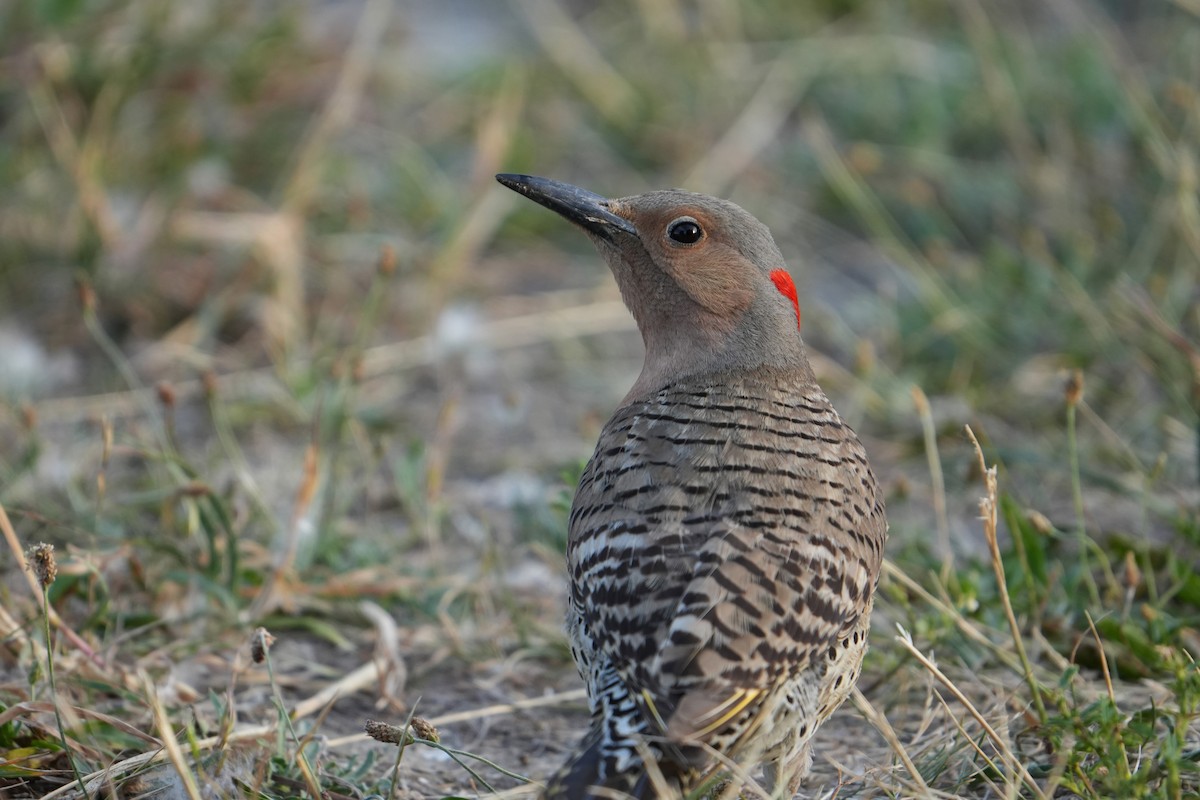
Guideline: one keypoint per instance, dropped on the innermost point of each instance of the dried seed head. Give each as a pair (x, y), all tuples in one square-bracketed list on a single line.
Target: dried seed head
[(29, 416), (260, 644), (1131, 576), (1040, 522), (387, 261), (41, 561), (195, 489), (1073, 392), (383, 732), (865, 357), (55, 60), (423, 730), (395, 734), (166, 394), (87, 295), (106, 439), (1180, 93), (864, 158), (209, 381)]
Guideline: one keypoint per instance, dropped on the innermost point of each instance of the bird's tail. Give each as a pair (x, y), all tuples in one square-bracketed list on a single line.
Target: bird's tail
[(595, 771)]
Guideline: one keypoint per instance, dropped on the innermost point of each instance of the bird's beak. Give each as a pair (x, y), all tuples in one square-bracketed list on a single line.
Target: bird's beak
[(586, 209)]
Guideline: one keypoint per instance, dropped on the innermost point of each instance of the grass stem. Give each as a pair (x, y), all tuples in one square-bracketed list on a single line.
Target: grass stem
[(988, 506), (1077, 494), (54, 699)]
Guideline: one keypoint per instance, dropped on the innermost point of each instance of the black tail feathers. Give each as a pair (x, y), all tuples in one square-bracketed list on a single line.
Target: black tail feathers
[(593, 774)]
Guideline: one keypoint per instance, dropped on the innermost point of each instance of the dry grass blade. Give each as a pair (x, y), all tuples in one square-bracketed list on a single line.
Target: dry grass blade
[(578, 59), (988, 506), (559, 698), (277, 241), (473, 229), (298, 529), (756, 127), (341, 106), (170, 744), (524, 791), (79, 161), (1145, 306), (929, 432), (881, 724), (471, 233), (974, 745), (361, 678), (888, 232), (783, 89), (966, 626), (387, 653), (1139, 99), (20, 709), (554, 323), (1108, 685), (998, 742), (997, 81)]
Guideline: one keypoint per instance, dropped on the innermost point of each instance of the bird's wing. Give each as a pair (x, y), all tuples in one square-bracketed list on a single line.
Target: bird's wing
[(763, 617), (713, 556)]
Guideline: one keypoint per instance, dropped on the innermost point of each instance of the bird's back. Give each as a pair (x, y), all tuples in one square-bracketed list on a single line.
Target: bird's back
[(724, 544)]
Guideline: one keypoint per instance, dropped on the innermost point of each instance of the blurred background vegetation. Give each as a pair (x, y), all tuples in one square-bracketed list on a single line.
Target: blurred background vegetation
[(367, 358), (1000, 193)]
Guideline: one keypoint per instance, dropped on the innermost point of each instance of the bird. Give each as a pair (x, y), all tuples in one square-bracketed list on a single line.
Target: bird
[(726, 537)]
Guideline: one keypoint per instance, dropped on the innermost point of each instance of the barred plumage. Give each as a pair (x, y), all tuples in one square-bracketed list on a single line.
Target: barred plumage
[(727, 535)]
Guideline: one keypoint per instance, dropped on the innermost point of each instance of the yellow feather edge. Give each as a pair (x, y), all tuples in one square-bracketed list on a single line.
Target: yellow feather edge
[(738, 700)]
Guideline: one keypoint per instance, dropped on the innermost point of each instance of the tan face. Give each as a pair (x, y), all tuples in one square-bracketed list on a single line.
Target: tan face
[(692, 247)]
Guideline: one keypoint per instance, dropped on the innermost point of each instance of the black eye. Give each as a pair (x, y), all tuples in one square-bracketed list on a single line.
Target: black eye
[(685, 231)]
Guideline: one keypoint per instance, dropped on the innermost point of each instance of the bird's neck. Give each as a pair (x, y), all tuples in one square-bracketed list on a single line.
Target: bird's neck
[(676, 359)]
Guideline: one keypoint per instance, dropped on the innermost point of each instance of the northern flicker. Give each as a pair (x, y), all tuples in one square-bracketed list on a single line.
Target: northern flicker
[(726, 537)]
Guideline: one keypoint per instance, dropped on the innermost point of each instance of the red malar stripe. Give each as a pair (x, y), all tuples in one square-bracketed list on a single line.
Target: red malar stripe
[(783, 282)]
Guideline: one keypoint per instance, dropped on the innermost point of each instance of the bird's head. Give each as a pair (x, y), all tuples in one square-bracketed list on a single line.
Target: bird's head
[(703, 278)]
